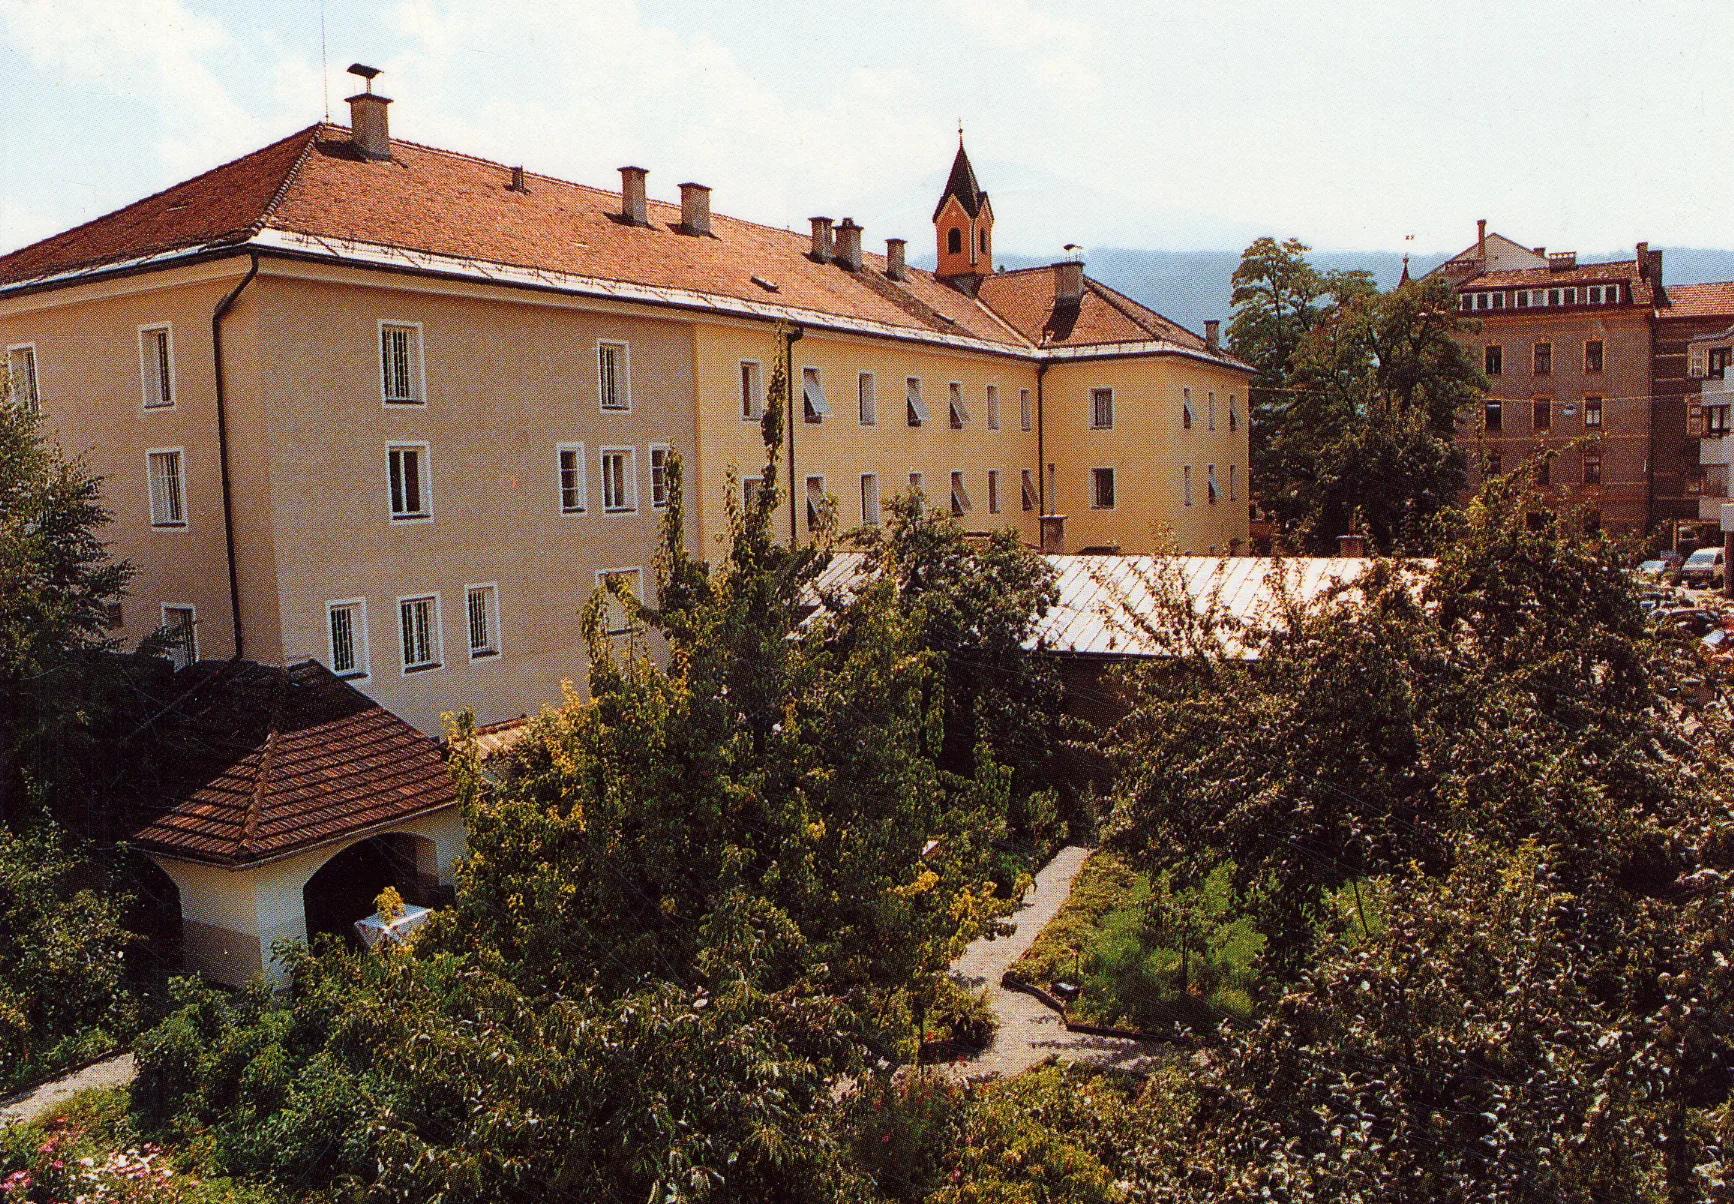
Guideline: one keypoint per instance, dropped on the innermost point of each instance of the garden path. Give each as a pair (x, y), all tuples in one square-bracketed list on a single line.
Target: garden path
[(44, 1098)]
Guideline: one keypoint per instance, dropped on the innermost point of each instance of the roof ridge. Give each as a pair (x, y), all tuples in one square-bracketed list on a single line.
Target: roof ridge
[(289, 178), (256, 801)]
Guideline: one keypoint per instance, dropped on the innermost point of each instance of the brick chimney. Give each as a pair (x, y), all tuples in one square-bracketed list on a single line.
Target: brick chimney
[(1213, 334), (1053, 534), (517, 184), (368, 127), (634, 204), (1351, 545), (1068, 281), (849, 244), (894, 267), (1653, 266), (695, 208), (1562, 261), (1481, 239), (821, 239)]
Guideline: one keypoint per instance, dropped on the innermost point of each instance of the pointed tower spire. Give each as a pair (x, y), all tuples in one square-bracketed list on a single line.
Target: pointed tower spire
[(963, 225), (1405, 279)]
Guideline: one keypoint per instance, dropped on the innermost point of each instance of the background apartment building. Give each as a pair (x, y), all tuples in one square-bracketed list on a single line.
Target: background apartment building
[(400, 410)]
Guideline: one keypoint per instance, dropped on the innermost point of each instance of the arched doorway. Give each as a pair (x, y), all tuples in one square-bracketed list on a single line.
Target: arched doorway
[(344, 888)]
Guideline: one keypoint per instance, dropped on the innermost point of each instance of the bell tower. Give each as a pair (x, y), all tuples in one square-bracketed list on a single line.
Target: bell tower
[(963, 226)]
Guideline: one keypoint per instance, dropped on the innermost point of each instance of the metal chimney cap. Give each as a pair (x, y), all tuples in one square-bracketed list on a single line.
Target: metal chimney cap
[(363, 70)]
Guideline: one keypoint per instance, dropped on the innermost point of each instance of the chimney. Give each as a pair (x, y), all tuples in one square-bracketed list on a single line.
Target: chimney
[(1562, 261), (367, 124), (1068, 281), (695, 208), (1481, 239), (894, 258), (634, 207), (1540, 252), (1213, 334), (517, 184), (1653, 268), (1351, 545), (1053, 534), (821, 238), (1643, 258), (849, 244)]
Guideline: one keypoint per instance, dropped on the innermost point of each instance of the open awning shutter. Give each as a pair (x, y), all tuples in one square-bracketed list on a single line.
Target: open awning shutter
[(814, 394), (959, 495), (916, 409), (959, 411)]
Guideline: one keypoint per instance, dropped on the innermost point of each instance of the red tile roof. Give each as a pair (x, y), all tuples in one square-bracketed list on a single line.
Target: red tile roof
[(271, 761), (314, 185), (1700, 300), (1624, 270)]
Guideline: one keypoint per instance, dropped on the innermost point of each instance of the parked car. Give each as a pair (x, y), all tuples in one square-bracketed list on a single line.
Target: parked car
[(1665, 567), (1703, 569)]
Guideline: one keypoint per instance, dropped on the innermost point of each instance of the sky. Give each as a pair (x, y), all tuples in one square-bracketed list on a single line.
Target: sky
[(1174, 125)]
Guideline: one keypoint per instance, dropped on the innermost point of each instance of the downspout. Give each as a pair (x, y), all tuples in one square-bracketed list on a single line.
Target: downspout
[(1041, 445), (223, 307), (790, 338)]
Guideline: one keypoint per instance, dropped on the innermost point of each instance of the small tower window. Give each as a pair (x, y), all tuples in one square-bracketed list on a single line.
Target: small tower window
[(984, 242), (954, 241)]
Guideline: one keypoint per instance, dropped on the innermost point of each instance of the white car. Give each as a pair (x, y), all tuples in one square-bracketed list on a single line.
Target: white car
[(1703, 569)]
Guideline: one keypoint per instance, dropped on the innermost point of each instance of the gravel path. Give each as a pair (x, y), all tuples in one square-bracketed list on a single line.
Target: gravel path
[(1028, 1030), (111, 1072)]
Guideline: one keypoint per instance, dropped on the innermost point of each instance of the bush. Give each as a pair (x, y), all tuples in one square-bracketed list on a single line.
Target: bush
[(960, 1016), (1103, 884)]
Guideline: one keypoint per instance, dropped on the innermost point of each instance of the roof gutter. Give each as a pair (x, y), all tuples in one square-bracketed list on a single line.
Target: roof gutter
[(222, 309)]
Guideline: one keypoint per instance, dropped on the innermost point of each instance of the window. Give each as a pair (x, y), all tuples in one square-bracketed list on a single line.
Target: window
[(1695, 363), (1719, 362), (954, 241), (1233, 414), (1542, 413), (1210, 410), (613, 381), (618, 613), (156, 367), (1592, 411), (813, 404), (1026, 410), (1102, 488), (916, 492), (869, 499), (1212, 491), (1494, 418), (752, 391), (1543, 359), (912, 401), (1569, 296), (959, 411), (21, 385), (1027, 481), (1595, 294), (482, 612), (1610, 294), (981, 241), (1101, 409), (418, 626), (1186, 414), (180, 625), (658, 475), (1466, 301), (993, 506), (167, 488), (1521, 298), (1592, 355), (346, 625), (1592, 466), (993, 407), (407, 464), (1553, 296), (1493, 359), (1694, 482), (960, 503), (400, 363), (751, 488), (1715, 421), (1186, 485), (866, 399), (1232, 495), (574, 488), (816, 505), (1498, 301), (619, 479)]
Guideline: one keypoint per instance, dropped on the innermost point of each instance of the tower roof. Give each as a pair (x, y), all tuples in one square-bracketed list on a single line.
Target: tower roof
[(961, 184)]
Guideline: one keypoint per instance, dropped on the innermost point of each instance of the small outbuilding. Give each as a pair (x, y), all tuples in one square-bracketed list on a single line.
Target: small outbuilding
[(288, 800)]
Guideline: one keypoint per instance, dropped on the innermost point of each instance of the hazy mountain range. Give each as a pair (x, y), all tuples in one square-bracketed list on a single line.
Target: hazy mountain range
[(1190, 286)]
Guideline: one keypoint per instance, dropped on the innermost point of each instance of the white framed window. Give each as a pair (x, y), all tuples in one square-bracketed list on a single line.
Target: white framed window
[(613, 375), (1102, 488), (407, 482), (156, 361), (418, 629), (1027, 483), (752, 391), (482, 619), (619, 479), (1186, 485), (1212, 492), (1186, 412), (959, 411), (1570, 296), (402, 377), (866, 399), (960, 503), (991, 405), (1101, 409), (1026, 410), (346, 636), (1521, 297), (181, 625), (168, 487), (572, 478), (919, 494), (1553, 296), (658, 475), (618, 617), (815, 502), (22, 387), (751, 488), (993, 506), (912, 403), (1210, 410), (869, 499), (814, 407)]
